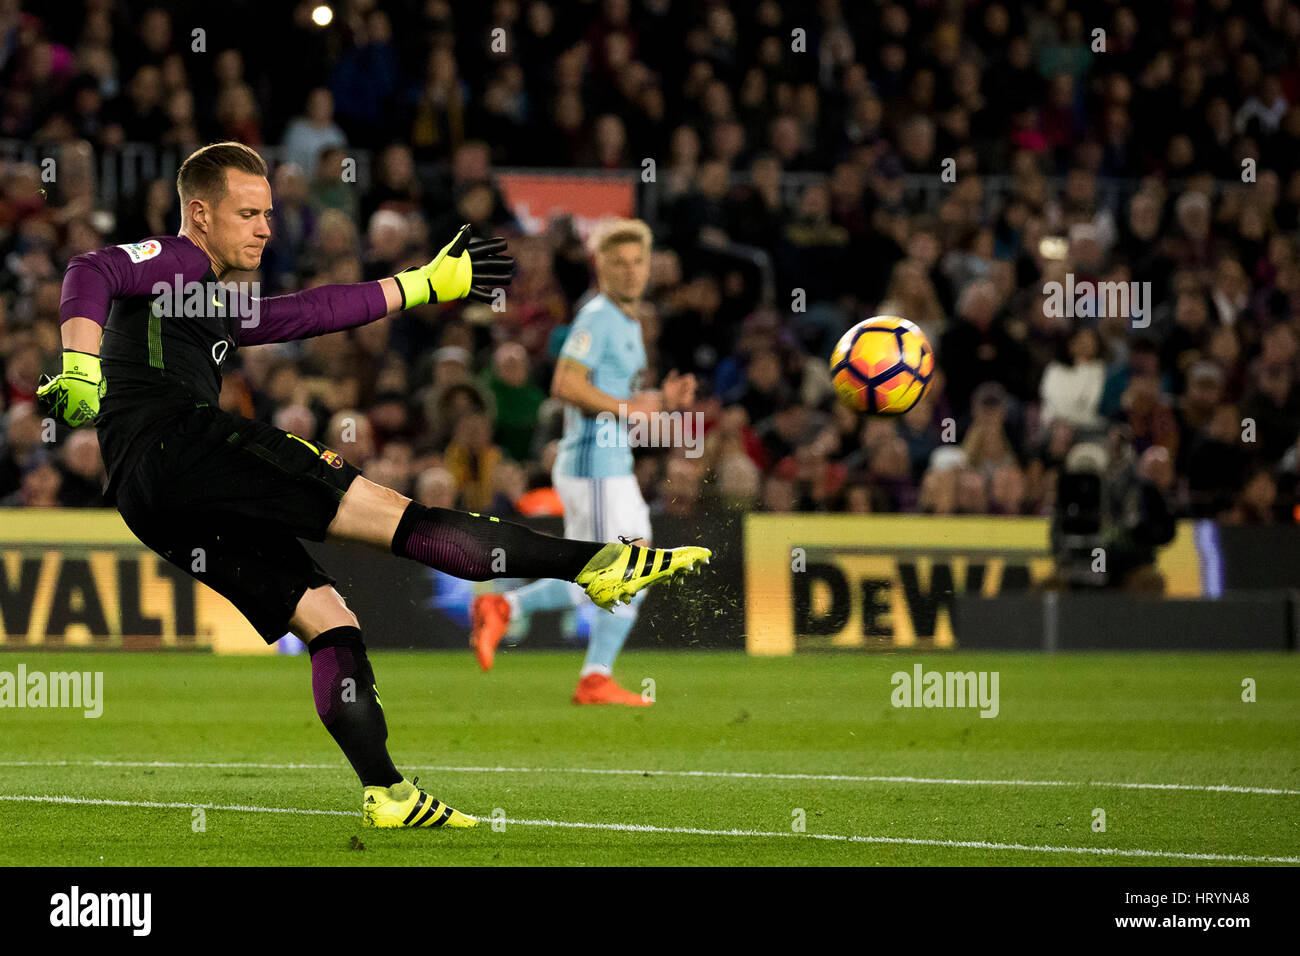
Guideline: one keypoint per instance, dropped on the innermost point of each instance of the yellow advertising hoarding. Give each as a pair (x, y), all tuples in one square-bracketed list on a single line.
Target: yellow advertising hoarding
[(881, 581), (81, 579)]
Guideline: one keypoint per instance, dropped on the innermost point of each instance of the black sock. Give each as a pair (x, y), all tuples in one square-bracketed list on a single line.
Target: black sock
[(480, 548), (343, 684)]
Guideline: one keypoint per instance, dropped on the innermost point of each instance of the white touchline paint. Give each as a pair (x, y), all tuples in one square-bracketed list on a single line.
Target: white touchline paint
[(723, 774), (697, 831), (157, 805), (911, 841), (1216, 788)]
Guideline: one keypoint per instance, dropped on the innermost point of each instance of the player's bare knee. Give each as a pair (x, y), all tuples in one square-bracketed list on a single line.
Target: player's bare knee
[(347, 611), (369, 512), (319, 610), (376, 495)]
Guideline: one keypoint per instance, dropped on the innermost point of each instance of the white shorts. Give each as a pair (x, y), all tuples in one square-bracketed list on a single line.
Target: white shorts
[(601, 509)]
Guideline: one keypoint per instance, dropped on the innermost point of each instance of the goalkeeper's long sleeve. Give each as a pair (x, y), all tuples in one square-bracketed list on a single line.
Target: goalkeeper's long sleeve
[(94, 279)]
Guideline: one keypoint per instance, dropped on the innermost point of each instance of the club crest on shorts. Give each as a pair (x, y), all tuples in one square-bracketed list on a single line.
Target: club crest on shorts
[(332, 458)]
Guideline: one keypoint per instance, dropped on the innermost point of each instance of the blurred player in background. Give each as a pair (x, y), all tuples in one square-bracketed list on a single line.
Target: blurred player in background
[(146, 328), (598, 372)]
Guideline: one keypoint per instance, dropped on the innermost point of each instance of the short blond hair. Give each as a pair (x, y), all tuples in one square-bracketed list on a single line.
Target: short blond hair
[(611, 232)]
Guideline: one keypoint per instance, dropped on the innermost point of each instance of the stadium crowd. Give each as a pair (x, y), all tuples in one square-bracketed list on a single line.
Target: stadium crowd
[(1163, 157)]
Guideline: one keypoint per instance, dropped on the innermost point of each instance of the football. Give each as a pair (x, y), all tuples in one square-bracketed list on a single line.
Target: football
[(882, 366)]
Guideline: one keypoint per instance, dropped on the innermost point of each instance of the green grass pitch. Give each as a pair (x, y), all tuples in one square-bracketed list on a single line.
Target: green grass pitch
[(733, 744)]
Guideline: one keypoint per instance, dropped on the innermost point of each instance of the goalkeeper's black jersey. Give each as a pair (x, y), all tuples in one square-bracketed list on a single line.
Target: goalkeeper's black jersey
[(167, 334), (149, 356), (156, 368)]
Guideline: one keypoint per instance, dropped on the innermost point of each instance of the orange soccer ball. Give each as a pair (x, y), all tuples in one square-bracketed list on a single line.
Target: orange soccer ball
[(882, 366)]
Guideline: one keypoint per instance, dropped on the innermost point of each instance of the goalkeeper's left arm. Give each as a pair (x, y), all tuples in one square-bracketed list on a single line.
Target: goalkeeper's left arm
[(464, 269)]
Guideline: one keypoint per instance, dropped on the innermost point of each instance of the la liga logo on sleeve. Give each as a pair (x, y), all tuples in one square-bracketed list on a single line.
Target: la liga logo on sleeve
[(140, 251), (580, 343)]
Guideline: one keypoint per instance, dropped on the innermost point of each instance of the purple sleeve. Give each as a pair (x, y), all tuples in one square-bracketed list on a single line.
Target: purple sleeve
[(301, 315), (94, 279)]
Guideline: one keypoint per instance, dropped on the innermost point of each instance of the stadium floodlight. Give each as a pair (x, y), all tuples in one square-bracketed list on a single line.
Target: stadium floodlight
[(322, 16)]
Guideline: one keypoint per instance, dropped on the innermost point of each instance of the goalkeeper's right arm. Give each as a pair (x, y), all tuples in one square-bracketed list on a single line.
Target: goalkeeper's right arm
[(73, 395)]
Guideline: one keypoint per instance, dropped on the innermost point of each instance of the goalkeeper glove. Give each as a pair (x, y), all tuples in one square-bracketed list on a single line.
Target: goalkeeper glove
[(464, 269), (73, 395)]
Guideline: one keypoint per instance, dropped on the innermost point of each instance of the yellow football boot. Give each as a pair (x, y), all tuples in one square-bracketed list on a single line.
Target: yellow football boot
[(406, 805), (618, 571)]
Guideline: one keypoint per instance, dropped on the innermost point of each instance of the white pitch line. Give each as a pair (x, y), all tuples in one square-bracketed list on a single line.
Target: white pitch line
[(717, 774), (156, 805), (171, 764), (699, 831), (747, 775), (1217, 788), (912, 841)]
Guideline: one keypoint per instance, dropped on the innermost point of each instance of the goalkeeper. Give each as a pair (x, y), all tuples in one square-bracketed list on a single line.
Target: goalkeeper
[(191, 479)]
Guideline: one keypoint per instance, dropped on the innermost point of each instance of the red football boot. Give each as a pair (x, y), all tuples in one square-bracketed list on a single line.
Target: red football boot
[(491, 617), (601, 689)]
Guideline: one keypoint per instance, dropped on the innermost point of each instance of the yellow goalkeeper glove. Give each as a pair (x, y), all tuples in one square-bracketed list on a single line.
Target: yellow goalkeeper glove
[(73, 395), (465, 269)]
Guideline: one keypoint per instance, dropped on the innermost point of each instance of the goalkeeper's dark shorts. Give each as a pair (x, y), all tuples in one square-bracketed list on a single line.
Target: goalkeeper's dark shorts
[(226, 499)]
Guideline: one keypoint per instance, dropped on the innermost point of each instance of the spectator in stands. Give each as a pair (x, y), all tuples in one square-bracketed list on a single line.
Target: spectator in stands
[(366, 79), (295, 225), (1216, 465), (938, 492), (1071, 390), (387, 242), (39, 484), (238, 117), (1272, 408), (1007, 490), (1255, 505), (679, 492), (1147, 414), (82, 471), (979, 349), (738, 482), (986, 445), (313, 131), (911, 295), (1197, 406), (22, 369), (396, 187), (518, 400), (153, 213), (436, 488), (350, 434), (333, 185), (1143, 361)]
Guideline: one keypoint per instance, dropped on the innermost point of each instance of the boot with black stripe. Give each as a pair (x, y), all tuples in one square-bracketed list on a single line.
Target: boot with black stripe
[(406, 805), (619, 571)]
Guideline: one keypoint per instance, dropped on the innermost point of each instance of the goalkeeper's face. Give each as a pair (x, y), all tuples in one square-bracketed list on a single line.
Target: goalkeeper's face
[(623, 270), (240, 223)]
